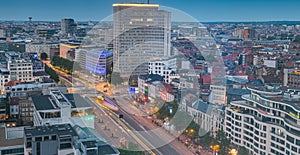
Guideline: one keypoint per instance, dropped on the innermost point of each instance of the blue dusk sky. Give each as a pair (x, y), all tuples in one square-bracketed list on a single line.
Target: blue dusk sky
[(201, 10)]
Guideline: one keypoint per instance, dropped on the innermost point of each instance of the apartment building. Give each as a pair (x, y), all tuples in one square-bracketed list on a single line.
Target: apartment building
[(266, 121), (19, 68), (163, 67), (56, 139)]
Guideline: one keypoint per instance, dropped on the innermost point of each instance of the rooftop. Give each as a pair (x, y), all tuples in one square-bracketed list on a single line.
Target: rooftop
[(77, 101), (9, 142), (42, 102), (237, 91), (267, 89), (47, 102), (290, 96), (40, 73), (60, 129), (151, 77), (91, 139)]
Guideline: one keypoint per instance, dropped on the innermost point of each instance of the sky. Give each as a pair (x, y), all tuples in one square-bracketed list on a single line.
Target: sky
[(200, 10)]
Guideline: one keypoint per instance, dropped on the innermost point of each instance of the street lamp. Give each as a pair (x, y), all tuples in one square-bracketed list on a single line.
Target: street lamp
[(233, 152), (215, 148), (192, 130)]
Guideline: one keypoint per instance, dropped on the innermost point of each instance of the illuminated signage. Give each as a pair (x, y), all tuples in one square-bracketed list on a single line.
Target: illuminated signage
[(89, 118), (261, 111)]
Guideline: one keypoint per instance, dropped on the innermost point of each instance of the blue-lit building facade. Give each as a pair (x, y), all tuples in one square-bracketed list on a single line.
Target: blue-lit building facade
[(99, 62)]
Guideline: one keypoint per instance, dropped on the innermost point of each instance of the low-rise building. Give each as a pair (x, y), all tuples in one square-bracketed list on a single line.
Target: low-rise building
[(19, 68), (59, 108), (291, 78), (218, 94), (67, 50), (210, 117), (5, 78), (163, 67), (144, 82), (11, 141), (89, 142), (50, 49), (56, 139), (3, 108), (62, 139)]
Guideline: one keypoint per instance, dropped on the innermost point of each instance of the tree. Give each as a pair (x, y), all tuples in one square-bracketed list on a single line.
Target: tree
[(164, 111), (181, 120), (44, 56), (221, 137), (115, 78), (132, 146), (65, 64), (242, 151), (127, 152), (52, 73)]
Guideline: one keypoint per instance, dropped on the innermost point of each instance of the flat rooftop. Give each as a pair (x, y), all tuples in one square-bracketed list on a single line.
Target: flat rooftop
[(42, 102), (60, 129), (46, 102), (9, 142), (77, 101)]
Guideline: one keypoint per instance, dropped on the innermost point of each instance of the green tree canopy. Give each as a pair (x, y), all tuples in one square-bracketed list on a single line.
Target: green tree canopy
[(65, 64), (52, 73), (44, 56), (115, 78)]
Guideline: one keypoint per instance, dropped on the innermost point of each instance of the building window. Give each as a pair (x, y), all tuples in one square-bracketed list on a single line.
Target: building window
[(294, 149), (290, 139), (38, 148)]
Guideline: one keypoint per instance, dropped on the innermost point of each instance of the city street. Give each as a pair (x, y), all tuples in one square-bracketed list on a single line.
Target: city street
[(135, 126)]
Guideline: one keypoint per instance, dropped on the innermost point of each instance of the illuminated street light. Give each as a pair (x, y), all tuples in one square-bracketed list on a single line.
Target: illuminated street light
[(215, 148), (233, 152), (192, 130)]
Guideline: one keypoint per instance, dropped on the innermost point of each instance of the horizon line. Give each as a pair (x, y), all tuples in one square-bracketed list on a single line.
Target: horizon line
[(216, 21)]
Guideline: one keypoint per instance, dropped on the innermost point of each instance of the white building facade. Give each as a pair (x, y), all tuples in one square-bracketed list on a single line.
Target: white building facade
[(266, 122), (163, 67)]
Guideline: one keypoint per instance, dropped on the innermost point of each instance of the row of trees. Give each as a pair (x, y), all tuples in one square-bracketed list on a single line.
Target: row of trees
[(65, 64), (52, 73), (164, 110)]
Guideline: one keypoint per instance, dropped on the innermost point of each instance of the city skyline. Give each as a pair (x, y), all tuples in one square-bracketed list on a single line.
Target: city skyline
[(104, 77), (202, 11)]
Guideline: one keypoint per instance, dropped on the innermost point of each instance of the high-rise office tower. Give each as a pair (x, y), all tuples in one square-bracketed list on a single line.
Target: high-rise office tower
[(67, 26), (141, 32)]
